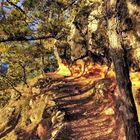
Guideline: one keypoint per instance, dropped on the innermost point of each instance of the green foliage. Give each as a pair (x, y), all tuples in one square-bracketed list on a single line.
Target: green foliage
[(25, 62), (32, 19), (37, 18)]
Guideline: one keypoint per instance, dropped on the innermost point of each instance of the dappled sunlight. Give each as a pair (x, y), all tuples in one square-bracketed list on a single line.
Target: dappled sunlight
[(88, 93), (135, 79), (89, 72), (84, 69)]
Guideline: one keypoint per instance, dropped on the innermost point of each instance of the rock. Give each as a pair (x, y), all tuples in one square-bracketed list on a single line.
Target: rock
[(76, 41), (43, 129)]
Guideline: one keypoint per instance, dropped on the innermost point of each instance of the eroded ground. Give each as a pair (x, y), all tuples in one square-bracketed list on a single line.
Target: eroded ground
[(63, 107)]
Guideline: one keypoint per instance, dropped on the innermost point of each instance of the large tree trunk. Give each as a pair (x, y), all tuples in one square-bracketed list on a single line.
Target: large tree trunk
[(127, 107)]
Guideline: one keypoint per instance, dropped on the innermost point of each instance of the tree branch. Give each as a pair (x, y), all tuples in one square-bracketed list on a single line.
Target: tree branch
[(24, 38), (17, 7), (10, 83)]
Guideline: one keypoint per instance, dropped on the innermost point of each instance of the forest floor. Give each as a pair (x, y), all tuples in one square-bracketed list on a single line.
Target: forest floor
[(64, 107)]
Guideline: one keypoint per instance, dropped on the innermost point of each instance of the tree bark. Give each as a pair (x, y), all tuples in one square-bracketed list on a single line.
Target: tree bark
[(127, 107)]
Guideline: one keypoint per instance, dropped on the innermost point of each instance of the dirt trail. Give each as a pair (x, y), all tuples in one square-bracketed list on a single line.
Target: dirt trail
[(90, 107)]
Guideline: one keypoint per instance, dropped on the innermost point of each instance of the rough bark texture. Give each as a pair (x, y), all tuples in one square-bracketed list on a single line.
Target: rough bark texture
[(127, 107)]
